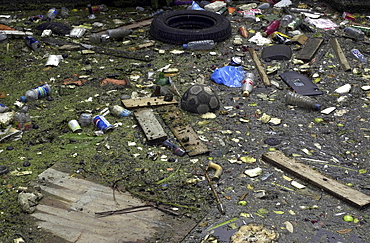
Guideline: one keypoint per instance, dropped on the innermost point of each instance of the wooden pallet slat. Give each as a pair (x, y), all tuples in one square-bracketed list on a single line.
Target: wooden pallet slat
[(309, 49), (306, 173), (147, 102), (184, 133), (151, 126)]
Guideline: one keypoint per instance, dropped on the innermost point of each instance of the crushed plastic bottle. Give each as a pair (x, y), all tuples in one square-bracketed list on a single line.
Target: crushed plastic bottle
[(22, 119), (36, 93), (292, 98), (359, 55), (200, 45)]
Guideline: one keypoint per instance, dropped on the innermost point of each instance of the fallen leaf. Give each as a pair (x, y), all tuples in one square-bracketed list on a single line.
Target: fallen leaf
[(289, 226), (248, 159), (344, 231)]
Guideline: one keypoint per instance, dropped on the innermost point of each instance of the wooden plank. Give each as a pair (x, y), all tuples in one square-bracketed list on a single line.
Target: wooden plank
[(69, 206), (259, 66), (150, 125), (306, 173), (309, 49), (147, 102), (340, 55), (184, 133)]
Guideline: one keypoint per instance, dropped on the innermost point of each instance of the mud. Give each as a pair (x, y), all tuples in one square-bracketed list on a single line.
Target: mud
[(337, 146)]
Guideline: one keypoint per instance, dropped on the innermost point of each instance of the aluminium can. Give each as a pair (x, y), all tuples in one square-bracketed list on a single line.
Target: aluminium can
[(85, 119), (74, 126), (102, 123)]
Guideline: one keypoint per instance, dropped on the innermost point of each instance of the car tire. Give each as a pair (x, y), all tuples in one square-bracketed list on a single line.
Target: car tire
[(183, 26)]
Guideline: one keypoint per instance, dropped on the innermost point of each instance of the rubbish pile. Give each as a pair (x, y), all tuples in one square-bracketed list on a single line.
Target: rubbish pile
[(238, 87)]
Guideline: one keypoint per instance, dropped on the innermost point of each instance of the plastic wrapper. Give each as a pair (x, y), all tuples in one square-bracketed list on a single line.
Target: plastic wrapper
[(229, 75)]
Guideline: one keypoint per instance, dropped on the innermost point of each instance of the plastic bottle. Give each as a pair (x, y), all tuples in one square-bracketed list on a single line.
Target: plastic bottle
[(175, 149), (22, 119), (51, 14), (64, 12), (292, 98), (118, 33), (36, 93), (286, 20), (119, 111), (3, 108), (355, 33), (264, 6), (200, 45), (294, 24), (3, 37), (247, 84), (359, 55), (32, 43), (271, 28)]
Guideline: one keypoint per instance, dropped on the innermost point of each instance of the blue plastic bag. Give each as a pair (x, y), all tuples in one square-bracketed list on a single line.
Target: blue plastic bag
[(231, 76)]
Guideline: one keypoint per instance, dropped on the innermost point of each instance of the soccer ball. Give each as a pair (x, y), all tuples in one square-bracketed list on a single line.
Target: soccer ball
[(200, 99)]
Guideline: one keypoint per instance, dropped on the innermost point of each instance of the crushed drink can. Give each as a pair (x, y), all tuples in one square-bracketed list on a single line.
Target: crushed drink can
[(235, 61), (32, 43), (102, 124)]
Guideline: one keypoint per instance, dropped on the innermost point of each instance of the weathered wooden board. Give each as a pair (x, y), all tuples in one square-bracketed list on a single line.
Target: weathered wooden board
[(184, 133), (340, 55), (259, 67), (69, 206), (150, 125), (309, 49), (305, 172), (147, 102)]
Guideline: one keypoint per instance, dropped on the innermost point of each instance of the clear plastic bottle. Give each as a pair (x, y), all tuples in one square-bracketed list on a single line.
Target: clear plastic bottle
[(294, 24), (200, 45), (22, 119), (292, 98), (247, 84), (118, 33), (286, 20), (359, 55), (36, 93), (354, 33)]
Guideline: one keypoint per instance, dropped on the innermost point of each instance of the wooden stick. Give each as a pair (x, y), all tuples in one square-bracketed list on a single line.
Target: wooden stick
[(219, 204), (340, 55), (260, 69)]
